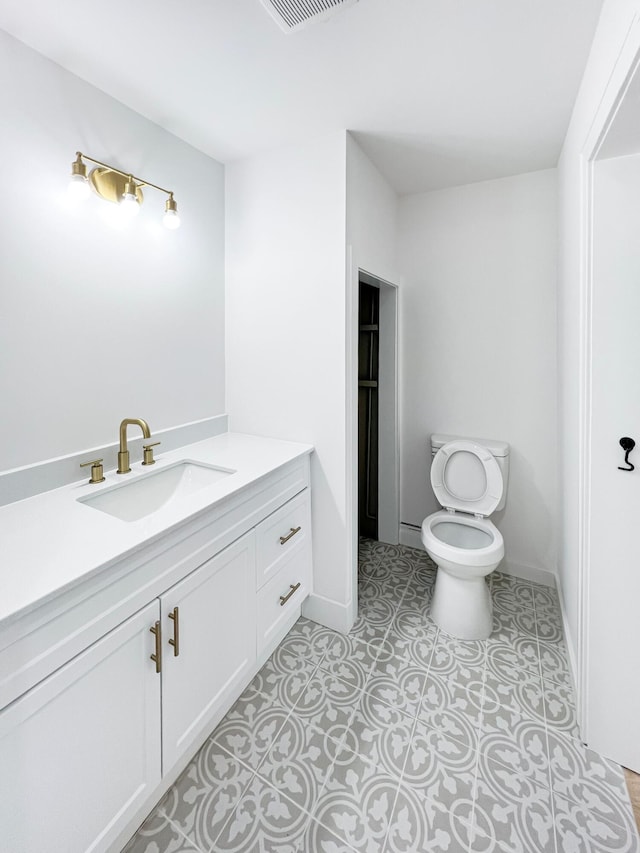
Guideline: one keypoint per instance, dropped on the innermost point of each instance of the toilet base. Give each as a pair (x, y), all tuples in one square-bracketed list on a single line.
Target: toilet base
[(462, 607)]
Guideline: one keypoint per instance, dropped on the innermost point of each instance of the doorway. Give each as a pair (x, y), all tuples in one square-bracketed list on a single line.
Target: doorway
[(377, 429), (368, 423)]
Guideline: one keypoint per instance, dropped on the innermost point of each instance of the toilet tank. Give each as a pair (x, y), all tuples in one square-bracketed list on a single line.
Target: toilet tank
[(498, 449)]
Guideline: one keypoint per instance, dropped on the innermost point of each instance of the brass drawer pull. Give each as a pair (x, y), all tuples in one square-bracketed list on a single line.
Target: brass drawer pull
[(157, 658), (294, 530), (292, 589), (175, 642)]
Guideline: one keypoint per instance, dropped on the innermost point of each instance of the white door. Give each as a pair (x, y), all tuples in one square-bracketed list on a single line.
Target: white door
[(81, 750), (611, 723), (209, 642)]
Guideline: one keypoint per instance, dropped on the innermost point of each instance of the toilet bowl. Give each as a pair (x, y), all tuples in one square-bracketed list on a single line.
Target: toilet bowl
[(466, 550), (461, 540)]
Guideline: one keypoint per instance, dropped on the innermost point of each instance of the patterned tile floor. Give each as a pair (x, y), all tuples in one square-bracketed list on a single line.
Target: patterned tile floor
[(398, 738)]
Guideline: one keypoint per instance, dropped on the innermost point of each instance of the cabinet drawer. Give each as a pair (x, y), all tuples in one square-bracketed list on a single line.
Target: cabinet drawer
[(275, 616), (286, 531)]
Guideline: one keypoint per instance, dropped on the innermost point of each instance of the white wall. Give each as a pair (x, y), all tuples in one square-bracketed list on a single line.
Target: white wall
[(372, 211), (286, 307), (614, 47), (98, 324), (478, 345)]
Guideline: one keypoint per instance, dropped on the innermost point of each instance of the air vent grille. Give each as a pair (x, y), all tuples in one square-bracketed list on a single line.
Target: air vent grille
[(294, 14)]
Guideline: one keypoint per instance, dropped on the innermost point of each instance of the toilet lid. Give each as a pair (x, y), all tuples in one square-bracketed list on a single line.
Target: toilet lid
[(466, 477)]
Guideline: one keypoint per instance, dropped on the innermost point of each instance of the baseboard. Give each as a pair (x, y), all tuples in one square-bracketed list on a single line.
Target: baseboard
[(339, 617), (568, 641), (29, 480), (410, 536), (528, 573)]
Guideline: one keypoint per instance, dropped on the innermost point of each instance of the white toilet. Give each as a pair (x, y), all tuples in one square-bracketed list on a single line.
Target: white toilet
[(469, 479)]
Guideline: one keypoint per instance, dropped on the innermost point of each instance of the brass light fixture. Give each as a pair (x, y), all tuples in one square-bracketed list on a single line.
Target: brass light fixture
[(116, 186)]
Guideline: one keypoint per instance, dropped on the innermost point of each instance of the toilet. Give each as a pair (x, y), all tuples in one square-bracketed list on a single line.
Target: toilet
[(469, 479)]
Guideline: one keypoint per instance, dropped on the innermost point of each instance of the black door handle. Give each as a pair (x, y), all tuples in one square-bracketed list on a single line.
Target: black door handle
[(627, 444)]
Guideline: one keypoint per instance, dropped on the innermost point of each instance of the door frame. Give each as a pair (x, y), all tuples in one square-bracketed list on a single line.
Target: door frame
[(626, 67), (388, 462), (389, 454)]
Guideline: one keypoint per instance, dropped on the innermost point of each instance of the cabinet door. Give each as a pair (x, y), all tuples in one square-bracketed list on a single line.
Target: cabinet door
[(213, 612), (81, 750)]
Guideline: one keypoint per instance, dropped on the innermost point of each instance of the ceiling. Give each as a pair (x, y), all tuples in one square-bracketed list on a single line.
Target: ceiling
[(437, 92), (623, 134)]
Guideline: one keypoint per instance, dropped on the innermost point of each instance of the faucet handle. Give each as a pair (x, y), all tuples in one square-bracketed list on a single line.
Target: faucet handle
[(97, 471), (148, 453)]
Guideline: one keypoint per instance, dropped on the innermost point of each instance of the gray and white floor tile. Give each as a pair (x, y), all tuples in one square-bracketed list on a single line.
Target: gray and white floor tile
[(511, 812), (264, 821), (454, 708), (298, 762), (158, 834), (328, 703), (350, 660), (250, 727), (400, 739), (380, 733), (205, 795), (357, 803), (420, 824)]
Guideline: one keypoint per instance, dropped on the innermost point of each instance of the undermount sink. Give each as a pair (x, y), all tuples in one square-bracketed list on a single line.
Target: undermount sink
[(145, 494)]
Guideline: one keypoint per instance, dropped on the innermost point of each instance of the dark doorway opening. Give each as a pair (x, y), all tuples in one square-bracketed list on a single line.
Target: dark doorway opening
[(368, 368)]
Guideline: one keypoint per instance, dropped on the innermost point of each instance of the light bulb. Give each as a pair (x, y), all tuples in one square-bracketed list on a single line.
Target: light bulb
[(171, 219), (129, 203), (78, 188)]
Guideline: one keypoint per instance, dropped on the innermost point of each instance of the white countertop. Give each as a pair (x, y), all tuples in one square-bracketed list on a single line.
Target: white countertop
[(51, 541)]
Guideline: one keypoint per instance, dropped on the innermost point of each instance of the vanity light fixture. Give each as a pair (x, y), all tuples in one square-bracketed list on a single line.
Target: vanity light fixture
[(114, 185)]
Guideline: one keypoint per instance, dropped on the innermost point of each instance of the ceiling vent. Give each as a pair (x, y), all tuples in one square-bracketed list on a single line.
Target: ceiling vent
[(293, 15)]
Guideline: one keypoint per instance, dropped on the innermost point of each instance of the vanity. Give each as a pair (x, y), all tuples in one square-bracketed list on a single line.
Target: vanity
[(126, 637)]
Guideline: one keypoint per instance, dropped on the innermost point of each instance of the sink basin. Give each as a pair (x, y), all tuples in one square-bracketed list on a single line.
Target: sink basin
[(143, 495)]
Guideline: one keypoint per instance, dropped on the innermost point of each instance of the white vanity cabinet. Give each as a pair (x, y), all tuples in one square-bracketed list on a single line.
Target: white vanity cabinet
[(110, 689), (82, 749)]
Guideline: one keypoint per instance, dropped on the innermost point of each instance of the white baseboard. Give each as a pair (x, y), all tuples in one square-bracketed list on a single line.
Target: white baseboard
[(568, 639), (528, 573), (339, 617), (410, 536)]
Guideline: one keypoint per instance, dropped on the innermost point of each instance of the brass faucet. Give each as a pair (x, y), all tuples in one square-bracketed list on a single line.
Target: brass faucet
[(123, 453)]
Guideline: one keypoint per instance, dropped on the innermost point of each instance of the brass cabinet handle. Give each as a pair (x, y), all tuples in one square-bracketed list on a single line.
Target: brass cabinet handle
[(175, 642), (294, 530), (292, 589), (157, 657)]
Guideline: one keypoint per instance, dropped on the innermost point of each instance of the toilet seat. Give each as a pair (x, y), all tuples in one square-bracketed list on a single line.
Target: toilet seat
[(483, 490), (460, 554)]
